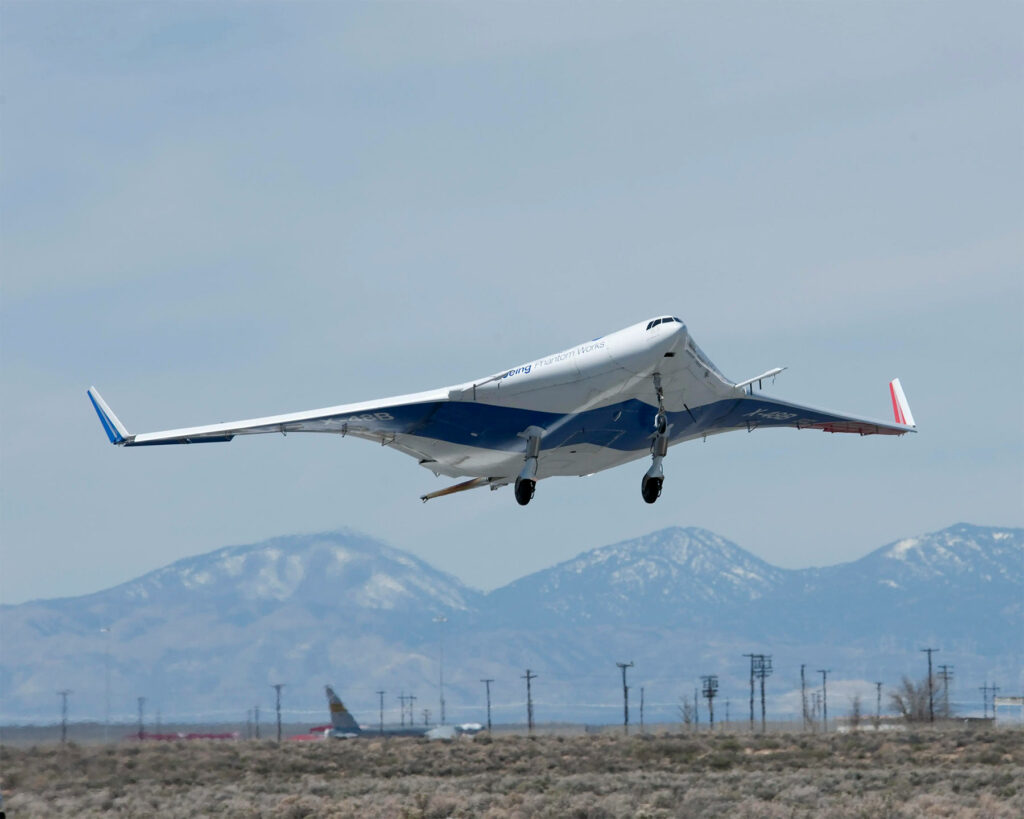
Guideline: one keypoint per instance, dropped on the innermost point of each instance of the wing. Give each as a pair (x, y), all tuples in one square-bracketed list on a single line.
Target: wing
[(758, 411), (381, 420)]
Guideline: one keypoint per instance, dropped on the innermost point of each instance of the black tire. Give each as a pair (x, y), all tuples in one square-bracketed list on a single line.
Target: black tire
[(524, 491), (651, 489)]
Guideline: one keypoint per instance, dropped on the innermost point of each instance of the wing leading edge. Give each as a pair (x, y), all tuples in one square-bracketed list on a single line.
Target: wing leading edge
[(375, 420), (757, 411)]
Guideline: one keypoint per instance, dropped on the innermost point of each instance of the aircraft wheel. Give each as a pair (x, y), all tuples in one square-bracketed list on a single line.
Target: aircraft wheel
[(651, 489), (524, 490)]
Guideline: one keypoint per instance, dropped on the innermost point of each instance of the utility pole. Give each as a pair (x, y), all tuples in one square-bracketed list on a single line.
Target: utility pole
[(803, 694), (105, 631), (641, 709), (696, 711), (878, 705), (381, 694), (441, 620), (763, 670), (248, 723), (487, 683), (751, 656), (256, 720), (931, 685), (528, 676), (277, 690), (727, 713), (710, 683), (426, 716), (401, 699), (142, 703), (824, 698), (985, 690), (412, 705), (64, 694), (945, 674), (625, 696)]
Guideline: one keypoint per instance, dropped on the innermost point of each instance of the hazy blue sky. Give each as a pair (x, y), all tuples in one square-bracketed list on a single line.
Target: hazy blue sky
[(215, 211)]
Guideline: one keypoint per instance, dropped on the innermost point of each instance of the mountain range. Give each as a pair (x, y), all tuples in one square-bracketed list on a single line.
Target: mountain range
[(205, 637)]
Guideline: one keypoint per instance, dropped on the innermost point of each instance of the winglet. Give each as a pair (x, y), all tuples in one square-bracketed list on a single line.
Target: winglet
[(115, 430), (900, 407)]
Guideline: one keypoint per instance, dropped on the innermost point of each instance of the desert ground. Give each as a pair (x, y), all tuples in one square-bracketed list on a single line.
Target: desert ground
[(949, 772)]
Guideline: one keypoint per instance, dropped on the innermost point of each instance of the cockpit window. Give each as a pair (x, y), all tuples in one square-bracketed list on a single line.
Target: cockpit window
[(656, 322)]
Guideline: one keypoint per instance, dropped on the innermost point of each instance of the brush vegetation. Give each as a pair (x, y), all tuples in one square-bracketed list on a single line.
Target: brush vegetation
[(913, 773)]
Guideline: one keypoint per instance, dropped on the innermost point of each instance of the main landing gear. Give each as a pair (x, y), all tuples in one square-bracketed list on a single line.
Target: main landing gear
[(524, 490), (650, 486), (526, 483)]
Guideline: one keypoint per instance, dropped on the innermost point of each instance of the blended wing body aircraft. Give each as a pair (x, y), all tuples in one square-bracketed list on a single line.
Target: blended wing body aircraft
[(618, 398)]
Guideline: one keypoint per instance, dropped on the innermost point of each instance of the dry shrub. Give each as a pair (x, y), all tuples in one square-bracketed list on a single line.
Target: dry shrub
[(952, 772)]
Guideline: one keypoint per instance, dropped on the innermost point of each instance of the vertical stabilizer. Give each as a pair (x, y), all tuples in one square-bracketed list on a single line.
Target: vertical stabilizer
[(341, 719)]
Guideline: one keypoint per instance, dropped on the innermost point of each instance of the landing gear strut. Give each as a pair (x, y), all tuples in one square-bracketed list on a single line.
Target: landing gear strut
[(650, 486), (526, 483)]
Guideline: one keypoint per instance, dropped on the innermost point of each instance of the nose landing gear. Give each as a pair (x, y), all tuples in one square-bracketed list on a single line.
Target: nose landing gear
[(650, 486)]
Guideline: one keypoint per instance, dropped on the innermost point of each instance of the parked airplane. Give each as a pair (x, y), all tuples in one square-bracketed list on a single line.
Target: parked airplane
[(595, 406), (344, 726)]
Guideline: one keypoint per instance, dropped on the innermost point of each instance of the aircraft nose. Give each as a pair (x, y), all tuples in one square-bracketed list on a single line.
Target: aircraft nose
[(672, 336)]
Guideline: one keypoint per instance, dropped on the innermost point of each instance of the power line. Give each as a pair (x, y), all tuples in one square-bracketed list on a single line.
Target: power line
[(381, 695), (803, 694), (751, 656), (824, 697), (487, 683), (412, 705), (142, 705), (763, 670), (277, 690), (64, 694), (945, 674), (625, 696), (441, 620), (256, 715), (106, 687), (710, 689), (402, 698), (529, 676), (985, 690), (878, 704), (931, 684)]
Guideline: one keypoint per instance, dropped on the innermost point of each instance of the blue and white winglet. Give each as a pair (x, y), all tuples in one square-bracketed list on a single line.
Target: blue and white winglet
[(115, 430)]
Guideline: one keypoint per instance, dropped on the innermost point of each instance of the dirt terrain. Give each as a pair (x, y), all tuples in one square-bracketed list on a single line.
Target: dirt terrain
[(914, 773)]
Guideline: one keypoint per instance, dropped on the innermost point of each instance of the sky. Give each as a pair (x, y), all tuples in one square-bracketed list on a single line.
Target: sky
[(218, 211)]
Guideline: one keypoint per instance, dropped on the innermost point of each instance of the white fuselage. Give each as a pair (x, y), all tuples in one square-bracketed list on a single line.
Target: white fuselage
[(608, 372)]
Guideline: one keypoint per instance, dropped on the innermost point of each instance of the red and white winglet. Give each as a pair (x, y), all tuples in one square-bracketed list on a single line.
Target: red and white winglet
[(900, 407)]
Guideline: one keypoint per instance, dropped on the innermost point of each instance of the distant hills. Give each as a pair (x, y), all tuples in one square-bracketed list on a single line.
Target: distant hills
[(204, 638)]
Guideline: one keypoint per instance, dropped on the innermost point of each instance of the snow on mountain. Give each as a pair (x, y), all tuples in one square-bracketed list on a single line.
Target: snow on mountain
[(207, 629), (344, 571), (987, 554), (963, 585), (667, 577), (207, 634)]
